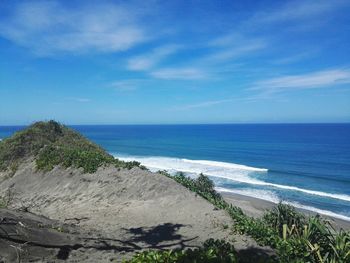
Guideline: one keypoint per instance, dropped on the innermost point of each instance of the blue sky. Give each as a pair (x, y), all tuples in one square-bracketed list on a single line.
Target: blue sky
[(150, 62)]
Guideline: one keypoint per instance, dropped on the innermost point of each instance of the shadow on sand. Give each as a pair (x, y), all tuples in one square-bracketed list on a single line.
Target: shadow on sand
[(41, 240), (159, 237)]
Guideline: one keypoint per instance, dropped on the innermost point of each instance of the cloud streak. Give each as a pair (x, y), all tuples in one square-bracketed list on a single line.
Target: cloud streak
[(297, 11), (236, 51), (79, 99), (234, 45), (182, 73), (313, 80), (49, 27), (128, 84), (297, 57), (150, 60), (203, 104)]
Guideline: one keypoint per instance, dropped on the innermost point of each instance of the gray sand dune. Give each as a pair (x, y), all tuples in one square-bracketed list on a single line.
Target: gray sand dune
[(127, 210)]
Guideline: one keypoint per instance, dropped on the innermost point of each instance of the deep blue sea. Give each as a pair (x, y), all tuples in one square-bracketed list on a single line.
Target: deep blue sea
[(306, 165)]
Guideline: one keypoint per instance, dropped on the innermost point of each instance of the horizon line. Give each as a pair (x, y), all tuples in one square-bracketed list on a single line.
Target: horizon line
[(174, 124)]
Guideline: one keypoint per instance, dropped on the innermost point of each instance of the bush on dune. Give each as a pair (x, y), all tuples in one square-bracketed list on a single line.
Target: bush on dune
[(213, 251), (51, 144)]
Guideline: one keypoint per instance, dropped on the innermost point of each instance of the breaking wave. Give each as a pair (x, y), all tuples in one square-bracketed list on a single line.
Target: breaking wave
[(231, 171), (271, 197)]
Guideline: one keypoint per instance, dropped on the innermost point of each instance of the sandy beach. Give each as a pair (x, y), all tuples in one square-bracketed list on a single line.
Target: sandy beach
[(256, 207)]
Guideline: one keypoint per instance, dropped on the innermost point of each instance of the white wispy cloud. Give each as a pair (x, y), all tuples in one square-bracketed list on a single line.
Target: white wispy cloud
[(237, 51), (127, 85), (148, 61), (210, 103), (231, 39), (79, 99), (47, 27), (203, 104), (240, 44), (233, 45), (298, 10), (182, 73), (296, 57), (203, 66), (319, 79), (82, 99), (151, 64)]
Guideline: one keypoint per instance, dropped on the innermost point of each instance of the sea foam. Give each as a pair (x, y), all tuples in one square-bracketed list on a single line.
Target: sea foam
[(231, 171), (271, 197), (258, 194)]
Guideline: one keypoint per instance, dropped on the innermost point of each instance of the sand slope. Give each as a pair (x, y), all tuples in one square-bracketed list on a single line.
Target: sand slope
[(128, 210)]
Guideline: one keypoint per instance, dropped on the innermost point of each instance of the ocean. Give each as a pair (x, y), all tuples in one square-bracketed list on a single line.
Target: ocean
[(305, 165)]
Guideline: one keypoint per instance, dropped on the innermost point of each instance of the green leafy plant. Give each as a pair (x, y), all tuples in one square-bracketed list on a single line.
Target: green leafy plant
[(212, 251), (284, 217)]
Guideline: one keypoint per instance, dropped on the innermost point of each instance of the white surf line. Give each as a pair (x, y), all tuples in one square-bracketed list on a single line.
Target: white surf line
[(225, 165), (150, 161), (295, 204), (259, 194), (286, 187), (155, 163), (292, 188)]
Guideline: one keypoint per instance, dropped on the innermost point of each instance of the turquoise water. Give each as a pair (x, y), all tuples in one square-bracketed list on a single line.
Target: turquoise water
[(307, 165)]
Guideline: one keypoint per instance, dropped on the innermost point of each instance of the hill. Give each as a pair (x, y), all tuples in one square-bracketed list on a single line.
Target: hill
[(51, 144)]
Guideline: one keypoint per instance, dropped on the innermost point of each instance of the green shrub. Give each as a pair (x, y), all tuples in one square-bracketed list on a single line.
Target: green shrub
[(284, 215), (51, 144), (213, 251), (340, 244), (90, 161), (324, 243)]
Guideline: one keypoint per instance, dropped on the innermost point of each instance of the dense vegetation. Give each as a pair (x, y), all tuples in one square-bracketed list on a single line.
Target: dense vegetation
[(213, 251), (51, 144), (295, 238)]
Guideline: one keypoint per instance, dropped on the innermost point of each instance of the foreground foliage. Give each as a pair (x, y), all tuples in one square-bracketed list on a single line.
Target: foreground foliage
[(213, 251), (295, 237), (51, 144)]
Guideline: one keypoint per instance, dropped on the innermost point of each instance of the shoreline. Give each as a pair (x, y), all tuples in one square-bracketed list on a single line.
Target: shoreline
[(256, 207), (213, 168)]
